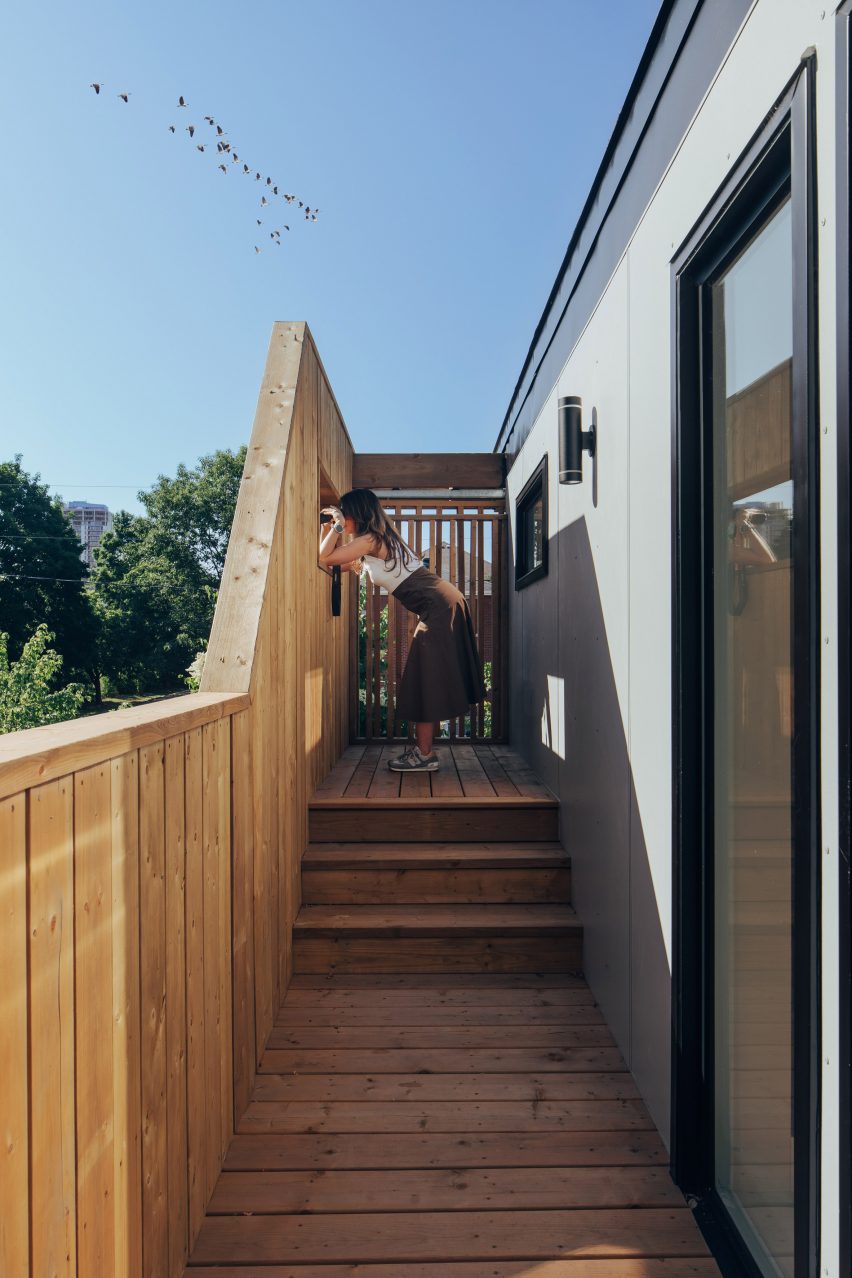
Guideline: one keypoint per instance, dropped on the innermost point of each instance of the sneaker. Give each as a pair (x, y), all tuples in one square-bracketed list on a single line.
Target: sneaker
[(411, 760)]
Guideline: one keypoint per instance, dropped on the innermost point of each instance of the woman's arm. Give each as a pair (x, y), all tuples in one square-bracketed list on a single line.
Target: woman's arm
[(332, 552)]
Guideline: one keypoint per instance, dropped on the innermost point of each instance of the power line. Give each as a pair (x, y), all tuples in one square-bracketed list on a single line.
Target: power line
[(18, 576)]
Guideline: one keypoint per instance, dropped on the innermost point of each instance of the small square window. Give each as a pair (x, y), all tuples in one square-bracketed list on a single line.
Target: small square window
[(531, 528)]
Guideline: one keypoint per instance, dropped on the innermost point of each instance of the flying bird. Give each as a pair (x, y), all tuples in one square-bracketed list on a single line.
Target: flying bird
[(219, 130), (257, 250), (199, 146), (182, 101), (171, 128), (269, 181), (190, 128), (209, 119), (224, 168), (96, 87), (124, 96), (264, 201)]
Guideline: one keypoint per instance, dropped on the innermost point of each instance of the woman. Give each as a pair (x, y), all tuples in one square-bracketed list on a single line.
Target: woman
[(443, 673)]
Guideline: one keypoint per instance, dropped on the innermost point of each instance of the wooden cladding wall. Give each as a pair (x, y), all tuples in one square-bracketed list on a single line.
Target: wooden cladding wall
[(149, 877), (464, 542), (116, 1095), (274, 636)]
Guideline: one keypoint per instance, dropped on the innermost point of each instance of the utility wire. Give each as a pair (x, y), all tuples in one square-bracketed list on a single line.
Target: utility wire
[(17, 576)]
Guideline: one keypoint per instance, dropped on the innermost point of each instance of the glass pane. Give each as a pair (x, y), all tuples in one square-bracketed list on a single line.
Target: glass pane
[(753, 728), (533, 517)]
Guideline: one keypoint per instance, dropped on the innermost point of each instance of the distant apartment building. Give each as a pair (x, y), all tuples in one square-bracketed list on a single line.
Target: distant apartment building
[(90, 520)]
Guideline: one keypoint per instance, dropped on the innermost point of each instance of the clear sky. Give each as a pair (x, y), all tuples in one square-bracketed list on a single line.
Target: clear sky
[(448, 144)]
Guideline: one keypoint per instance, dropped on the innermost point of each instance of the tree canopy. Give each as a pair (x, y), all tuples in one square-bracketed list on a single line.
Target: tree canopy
[(157, 575), (42, 577)]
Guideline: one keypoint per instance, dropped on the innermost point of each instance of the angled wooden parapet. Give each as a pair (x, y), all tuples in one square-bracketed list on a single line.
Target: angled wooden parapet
[(149, 865), (274, 637)]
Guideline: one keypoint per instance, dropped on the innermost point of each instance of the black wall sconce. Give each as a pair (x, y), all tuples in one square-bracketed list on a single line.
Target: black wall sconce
[(573, 440)]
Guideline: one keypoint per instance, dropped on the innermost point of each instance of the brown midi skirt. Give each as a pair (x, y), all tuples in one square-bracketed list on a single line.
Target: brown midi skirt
[(443, 673)]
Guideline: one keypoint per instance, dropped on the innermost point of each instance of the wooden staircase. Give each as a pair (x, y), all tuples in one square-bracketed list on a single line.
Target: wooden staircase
[(440, 1096)]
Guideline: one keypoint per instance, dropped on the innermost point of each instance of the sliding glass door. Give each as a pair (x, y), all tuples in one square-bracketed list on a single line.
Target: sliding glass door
[(751, 598), (746, 705)]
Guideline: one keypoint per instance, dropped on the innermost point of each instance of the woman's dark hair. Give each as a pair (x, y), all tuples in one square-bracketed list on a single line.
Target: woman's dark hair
[(363, 507)]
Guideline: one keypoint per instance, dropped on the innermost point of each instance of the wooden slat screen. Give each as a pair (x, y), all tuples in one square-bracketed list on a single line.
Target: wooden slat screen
[(464, 542)]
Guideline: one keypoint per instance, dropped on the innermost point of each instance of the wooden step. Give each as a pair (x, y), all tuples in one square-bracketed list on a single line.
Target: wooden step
[(435, 873), (437, 938), (405, 820)]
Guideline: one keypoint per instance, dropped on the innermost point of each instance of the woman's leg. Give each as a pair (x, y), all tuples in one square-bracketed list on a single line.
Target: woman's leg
[(424, 733)]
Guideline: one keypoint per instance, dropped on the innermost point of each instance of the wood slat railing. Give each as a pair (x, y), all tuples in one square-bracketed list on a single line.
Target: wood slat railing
[(464, 541), (149, 878)]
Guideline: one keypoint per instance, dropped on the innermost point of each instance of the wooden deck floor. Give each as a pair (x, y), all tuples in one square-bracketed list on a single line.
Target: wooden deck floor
[(446, 1127), (475, 772)]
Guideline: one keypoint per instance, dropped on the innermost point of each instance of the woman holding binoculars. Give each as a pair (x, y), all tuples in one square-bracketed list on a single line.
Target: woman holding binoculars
[(443, 672)]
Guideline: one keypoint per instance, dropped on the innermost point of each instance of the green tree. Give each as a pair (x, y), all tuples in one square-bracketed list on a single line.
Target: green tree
[(42, 577), (27, 697), (157, 575)]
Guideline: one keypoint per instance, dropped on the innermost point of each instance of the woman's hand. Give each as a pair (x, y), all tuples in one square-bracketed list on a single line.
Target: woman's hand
[(335, 512)]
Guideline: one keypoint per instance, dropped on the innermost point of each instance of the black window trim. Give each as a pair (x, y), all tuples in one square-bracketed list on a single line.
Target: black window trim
[(780, 154), (843, 105), (538, 479)]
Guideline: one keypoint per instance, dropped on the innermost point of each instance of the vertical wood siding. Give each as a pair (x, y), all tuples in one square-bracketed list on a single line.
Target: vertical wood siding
[(149, 881)]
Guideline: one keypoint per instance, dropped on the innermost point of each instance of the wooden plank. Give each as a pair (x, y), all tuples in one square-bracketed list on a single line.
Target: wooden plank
[(410, 1236), (473, 776), (37, 755), (519, 771), (525, 1060), (524, 1267), (435, 885), (93, 990), (404, 1037), (14, 1037), (316, 1000), (446, 783), (176, 1094), (460, 1014), (462, 984), (126, 1041), (196, 1068), (359, 783), (243, 906), (52, 1074), (443, 1087), (152, 904), (356, 1151), (235, 632), (341, 774), (401, 820), (439, 920), (444, 856), (473, 1189), (428, 470), (222, 732), (407, 1117), (390, 953), (385, 783), (212, 834), (502, 784)]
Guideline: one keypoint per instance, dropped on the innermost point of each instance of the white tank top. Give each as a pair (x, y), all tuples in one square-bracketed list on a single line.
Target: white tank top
[(390, 578)]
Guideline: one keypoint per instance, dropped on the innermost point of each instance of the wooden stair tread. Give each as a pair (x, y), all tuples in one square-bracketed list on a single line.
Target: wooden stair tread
[(368, 803), (419, 856), (438, 920)]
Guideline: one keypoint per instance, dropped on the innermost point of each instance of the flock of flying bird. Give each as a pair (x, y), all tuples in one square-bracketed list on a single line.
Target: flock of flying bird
[(225, 152)]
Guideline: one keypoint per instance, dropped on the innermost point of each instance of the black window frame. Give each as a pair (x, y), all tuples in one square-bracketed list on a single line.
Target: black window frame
[(529, 494), (843, 105), (780, 160)]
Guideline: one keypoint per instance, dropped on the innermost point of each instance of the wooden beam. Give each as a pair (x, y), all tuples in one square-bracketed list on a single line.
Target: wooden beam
[(428, 470)]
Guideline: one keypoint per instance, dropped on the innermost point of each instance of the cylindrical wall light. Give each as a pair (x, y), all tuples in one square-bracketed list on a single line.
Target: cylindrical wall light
[(573, 440)]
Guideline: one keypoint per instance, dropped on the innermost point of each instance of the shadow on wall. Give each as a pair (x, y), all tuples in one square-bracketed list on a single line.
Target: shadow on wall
[(568, 721)]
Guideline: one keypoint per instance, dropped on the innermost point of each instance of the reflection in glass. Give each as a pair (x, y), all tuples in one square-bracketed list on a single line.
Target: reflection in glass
[(753, 728)]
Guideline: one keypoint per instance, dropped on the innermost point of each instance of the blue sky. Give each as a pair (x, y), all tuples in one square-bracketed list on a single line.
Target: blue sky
[(448, 145)]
